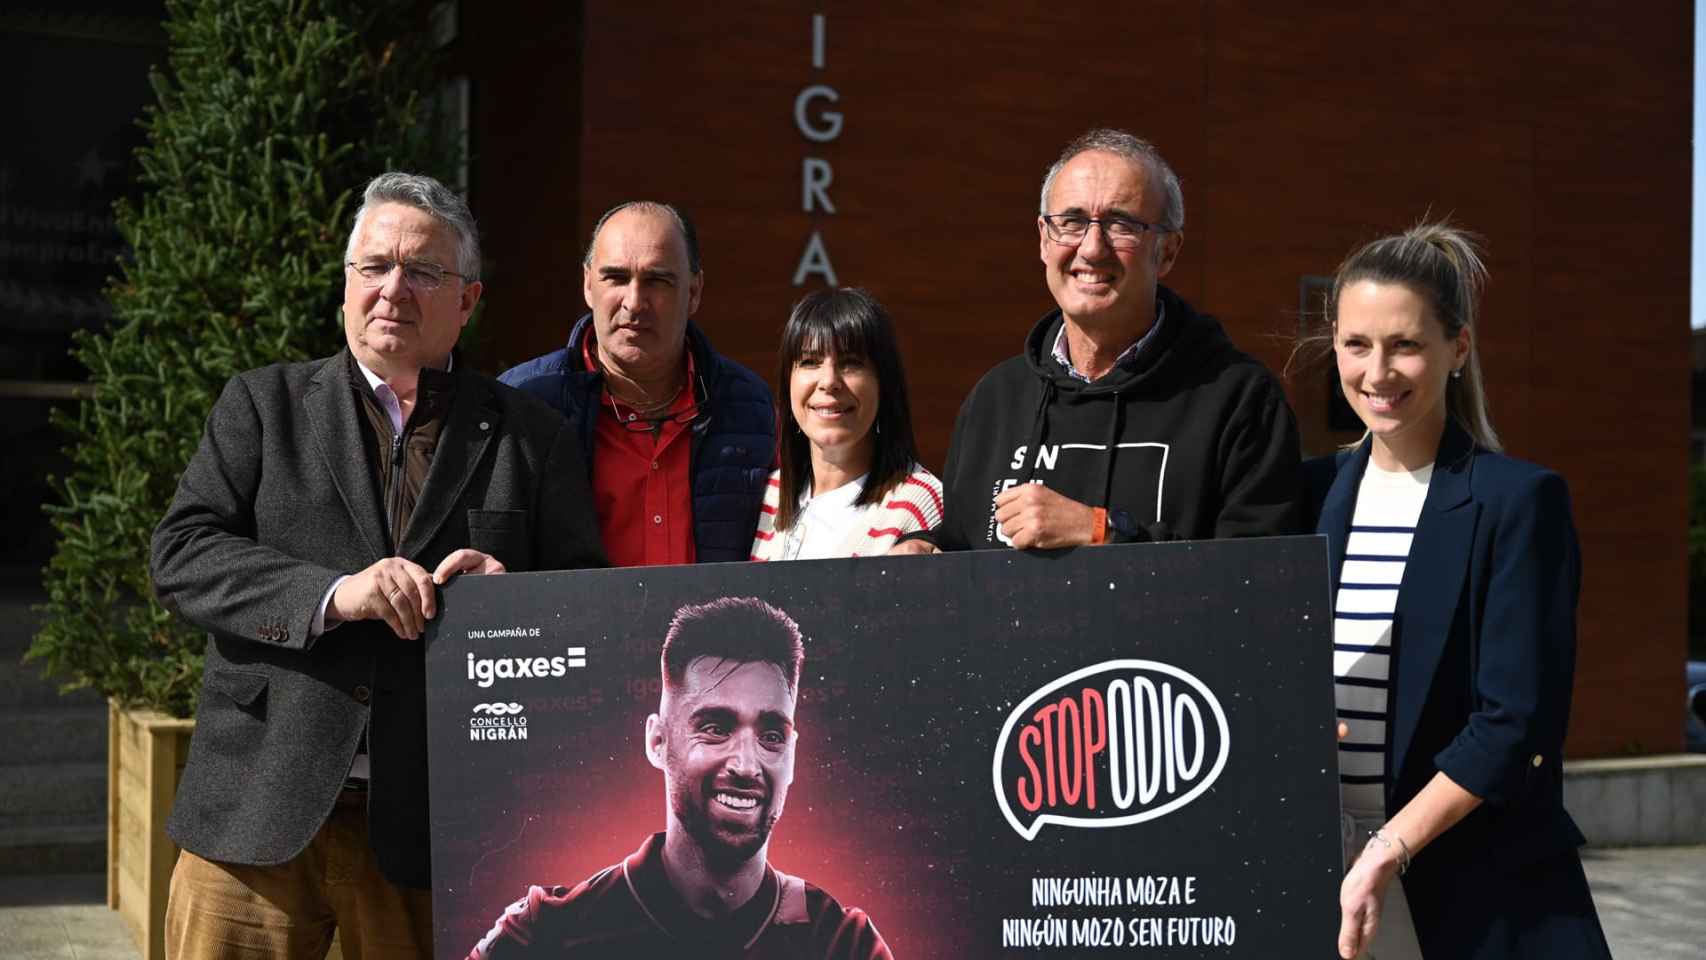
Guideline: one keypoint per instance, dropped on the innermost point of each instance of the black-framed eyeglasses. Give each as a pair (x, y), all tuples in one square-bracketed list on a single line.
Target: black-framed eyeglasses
[(422, 276), (1124, 233)]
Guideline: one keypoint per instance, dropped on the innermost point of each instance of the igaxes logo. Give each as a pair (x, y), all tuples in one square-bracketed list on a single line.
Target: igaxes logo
[(1110, 745), (488, 671)]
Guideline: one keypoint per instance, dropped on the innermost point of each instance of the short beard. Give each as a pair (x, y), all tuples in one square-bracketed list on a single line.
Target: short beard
[(721, 854)]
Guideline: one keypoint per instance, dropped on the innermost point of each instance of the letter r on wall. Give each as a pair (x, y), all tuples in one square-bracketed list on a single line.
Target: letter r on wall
[(815, 177)]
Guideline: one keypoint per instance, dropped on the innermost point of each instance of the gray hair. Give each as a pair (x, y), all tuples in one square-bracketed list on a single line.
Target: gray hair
[(1441, 264), (689, 235), (432, 198), (1132, 148)]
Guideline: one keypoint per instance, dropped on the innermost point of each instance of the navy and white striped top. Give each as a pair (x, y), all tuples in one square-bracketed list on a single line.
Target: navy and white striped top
[(1388, 507)]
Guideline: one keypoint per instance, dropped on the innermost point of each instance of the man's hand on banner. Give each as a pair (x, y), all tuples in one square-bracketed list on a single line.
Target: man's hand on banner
[(1034, 517), (466, 560), (397, 591)]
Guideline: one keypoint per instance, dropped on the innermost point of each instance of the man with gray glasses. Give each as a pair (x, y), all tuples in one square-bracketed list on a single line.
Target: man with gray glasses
[(326, 504), (1130, 416)]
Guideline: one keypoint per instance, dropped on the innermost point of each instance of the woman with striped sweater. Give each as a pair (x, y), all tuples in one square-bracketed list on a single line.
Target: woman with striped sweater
[(850, 483), (1454, 633)]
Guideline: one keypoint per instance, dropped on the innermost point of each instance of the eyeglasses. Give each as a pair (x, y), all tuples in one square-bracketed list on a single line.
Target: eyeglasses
[(637, 422), (421, 276), (1122, 233)]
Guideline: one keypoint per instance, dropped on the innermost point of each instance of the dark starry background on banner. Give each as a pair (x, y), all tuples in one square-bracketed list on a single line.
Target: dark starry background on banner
[(913, 666)]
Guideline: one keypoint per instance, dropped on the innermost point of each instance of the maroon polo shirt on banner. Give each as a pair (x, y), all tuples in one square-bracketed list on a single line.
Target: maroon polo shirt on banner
[(640, 479)]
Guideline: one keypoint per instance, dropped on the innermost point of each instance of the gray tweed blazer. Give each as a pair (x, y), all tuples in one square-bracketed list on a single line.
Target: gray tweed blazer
[(279, 501)]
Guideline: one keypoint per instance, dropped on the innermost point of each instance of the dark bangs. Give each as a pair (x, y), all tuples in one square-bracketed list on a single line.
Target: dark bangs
[(823, 329)]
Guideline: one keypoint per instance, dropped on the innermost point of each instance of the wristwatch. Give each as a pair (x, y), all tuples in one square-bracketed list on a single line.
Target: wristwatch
[(1123, 529)]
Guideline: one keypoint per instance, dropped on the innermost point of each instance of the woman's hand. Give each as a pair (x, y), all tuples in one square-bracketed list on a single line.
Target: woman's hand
[(1439, 806), (1363, 895)]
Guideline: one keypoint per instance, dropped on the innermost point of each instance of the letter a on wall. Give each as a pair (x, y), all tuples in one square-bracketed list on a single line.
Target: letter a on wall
[(815, 259)]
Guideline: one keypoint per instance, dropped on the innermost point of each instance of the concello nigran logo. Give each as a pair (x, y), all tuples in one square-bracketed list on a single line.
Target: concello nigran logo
[(1110, 745)]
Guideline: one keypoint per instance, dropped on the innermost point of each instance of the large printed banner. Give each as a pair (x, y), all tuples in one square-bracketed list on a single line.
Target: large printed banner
[(1125, 750)]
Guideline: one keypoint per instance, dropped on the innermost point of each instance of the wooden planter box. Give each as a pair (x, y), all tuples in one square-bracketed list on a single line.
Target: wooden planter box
[(145, 758), (146, 752)]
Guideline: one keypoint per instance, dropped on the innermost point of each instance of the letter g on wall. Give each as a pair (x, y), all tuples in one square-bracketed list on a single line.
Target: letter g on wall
[(831, 127)]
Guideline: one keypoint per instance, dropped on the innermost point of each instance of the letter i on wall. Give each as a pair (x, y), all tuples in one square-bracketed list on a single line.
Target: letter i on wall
[(816, 174)]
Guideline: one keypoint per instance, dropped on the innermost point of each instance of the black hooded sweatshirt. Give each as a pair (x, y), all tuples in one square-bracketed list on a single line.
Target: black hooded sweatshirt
[(1191, 438)]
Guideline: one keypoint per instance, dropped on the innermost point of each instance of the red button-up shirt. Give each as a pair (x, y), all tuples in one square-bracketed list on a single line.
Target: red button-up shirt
[(640, 479)]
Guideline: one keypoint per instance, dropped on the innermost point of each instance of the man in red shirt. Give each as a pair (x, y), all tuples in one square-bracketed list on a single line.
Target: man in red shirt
[(680, 439)]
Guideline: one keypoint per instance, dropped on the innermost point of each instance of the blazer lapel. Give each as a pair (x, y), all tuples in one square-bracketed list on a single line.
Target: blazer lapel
[(1433, 583), (473, 421), (333, 417), (1338, 508)]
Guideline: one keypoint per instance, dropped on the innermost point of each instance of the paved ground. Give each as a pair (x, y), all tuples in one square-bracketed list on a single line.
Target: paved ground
[(1651, 900), (61, 918)]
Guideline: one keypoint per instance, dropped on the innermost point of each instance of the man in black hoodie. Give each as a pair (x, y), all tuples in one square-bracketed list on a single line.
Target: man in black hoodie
[(1130, 417)]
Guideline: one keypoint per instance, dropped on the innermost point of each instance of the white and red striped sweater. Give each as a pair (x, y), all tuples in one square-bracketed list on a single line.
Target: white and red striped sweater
[(914, 504)]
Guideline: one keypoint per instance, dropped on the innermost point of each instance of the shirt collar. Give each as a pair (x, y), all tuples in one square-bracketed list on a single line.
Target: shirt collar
[(373, 378), (388, 397), (589, 357), (842, 496), (737, 932), (1062, 357)]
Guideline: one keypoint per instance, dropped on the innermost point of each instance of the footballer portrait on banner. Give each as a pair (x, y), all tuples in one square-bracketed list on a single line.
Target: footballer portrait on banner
[(724, 738)]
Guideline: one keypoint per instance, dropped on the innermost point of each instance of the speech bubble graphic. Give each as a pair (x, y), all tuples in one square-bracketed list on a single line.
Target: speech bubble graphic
[(1109, 745)]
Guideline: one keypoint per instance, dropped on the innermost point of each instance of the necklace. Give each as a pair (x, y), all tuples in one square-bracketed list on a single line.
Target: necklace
[(646, 408)]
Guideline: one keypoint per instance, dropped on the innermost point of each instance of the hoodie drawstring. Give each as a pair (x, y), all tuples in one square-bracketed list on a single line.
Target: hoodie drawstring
[(1040, 420), (1037, 422), (1115, 422)]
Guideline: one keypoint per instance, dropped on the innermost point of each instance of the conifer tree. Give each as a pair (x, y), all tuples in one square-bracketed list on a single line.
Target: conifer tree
[(270, 117)]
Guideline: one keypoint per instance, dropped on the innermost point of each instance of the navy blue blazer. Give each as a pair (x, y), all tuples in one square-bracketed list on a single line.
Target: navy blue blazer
[(1484, 641)]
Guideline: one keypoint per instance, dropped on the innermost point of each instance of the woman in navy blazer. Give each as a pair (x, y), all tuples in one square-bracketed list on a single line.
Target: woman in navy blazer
[(1456, 578)]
